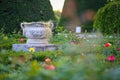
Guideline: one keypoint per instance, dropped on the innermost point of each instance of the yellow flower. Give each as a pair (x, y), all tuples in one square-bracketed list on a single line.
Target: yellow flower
[(31, 49)]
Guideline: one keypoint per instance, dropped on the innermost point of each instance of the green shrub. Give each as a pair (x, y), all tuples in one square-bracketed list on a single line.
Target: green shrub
[(13, 12), (63, 37), (88, 26), (71, 61), (6, 40), (107, 19)]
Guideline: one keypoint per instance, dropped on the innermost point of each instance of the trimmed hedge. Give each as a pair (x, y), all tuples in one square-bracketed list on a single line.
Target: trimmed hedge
[(107, 18), (13, 12)]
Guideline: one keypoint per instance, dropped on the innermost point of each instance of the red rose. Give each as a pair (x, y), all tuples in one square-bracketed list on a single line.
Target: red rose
[(107, 45)]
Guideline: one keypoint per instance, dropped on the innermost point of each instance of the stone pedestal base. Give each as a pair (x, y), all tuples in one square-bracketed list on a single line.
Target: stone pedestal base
[(37, 47), (37, 41)]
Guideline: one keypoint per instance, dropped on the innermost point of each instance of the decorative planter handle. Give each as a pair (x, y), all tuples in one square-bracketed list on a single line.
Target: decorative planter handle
[(22, 25)]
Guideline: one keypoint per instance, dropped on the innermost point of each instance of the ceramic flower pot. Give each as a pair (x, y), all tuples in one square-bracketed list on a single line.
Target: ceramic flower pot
[(37, 32)]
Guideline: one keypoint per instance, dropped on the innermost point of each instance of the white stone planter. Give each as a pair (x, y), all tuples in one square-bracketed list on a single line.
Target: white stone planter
[(37, 32)]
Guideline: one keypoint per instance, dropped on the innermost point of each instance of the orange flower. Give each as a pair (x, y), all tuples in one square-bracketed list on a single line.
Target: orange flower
[(107, 45), (47, 60)]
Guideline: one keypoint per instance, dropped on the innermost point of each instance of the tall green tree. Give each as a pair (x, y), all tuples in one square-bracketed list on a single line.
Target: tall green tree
[(82, 6), (13, 12)]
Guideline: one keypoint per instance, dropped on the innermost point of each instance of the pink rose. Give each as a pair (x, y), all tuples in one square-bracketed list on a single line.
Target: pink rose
[(72, 42), (111, 58), (21, 40), (119, 48), (50, 67)]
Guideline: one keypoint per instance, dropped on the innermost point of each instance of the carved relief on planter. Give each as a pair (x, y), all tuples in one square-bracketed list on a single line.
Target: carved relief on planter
[(37, 32)]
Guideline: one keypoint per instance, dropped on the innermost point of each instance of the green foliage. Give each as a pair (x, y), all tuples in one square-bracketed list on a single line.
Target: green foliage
[(57, 14), (67, 68), (107, 19), (6, 40), (88, 26), (71, 61), (112, 0), (13, 12), (63, 37), (63, 21), (83, 46), (115, 41), (59, 29)]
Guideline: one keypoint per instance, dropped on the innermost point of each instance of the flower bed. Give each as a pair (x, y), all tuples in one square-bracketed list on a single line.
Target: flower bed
[(75, 59)]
